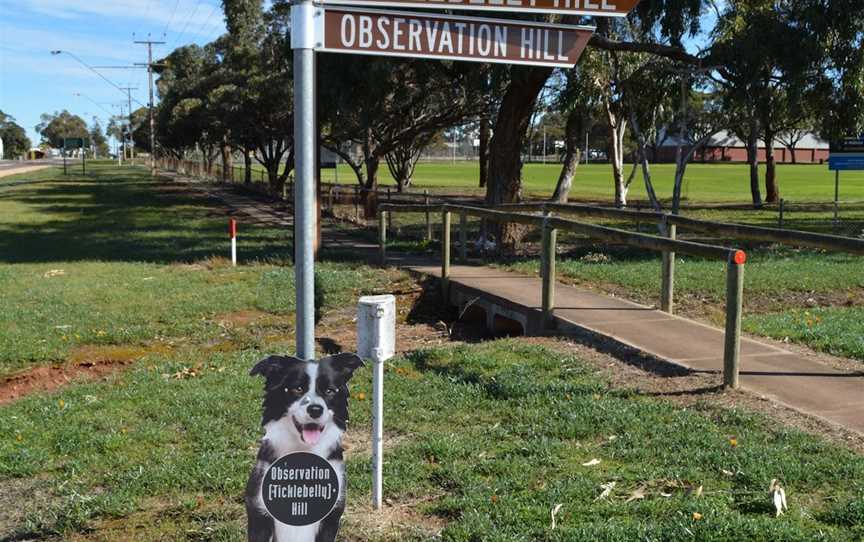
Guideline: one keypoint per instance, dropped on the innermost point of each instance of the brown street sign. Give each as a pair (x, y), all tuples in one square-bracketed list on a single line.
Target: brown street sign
[(450, 37), (606, 8)]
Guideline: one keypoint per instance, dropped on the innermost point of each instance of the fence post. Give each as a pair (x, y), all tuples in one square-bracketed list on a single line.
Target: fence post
[(382, 237), (445, 254), (780, 216), (428, 220), (547, 269), (463, 237), (836, 197), (734, 302), (668, 275)]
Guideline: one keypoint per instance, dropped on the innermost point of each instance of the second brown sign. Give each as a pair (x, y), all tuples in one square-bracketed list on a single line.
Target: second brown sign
[(420, 35)]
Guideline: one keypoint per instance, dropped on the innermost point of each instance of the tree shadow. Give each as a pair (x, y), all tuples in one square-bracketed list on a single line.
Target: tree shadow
[(123, 216)]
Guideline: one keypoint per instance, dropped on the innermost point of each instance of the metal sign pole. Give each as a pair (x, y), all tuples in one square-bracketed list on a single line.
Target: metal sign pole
[(303, 44)]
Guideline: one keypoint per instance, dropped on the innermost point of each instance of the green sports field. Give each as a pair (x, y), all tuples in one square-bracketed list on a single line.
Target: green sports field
[(703, 182)]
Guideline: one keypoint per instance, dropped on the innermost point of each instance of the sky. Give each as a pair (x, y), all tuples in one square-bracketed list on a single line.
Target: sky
[(100, 33)]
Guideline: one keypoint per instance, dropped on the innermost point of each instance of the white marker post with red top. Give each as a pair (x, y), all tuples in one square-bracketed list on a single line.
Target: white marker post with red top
[(232, 229)]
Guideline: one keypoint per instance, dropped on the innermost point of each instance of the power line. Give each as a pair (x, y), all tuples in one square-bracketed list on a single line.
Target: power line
[(171, 19), (188, 20), (89, 67), (213, 10)]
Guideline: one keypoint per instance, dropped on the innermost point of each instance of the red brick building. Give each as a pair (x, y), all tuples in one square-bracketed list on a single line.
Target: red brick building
[(725, 147)]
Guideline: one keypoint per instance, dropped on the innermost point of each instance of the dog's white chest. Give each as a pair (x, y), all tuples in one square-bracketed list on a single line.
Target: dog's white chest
[(288, 533)]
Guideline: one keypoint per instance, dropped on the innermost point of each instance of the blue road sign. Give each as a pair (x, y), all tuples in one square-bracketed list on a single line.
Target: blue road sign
[(846, 162)]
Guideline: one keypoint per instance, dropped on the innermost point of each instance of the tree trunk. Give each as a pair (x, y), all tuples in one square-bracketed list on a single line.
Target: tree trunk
[(483, 150), (247, 167), (792, 152), (227, 163), (772, 191), (370, 194), (753, 161), (617, 127), (572, 156), (505, 158), (617, 158), (273, 176), (646, 168)]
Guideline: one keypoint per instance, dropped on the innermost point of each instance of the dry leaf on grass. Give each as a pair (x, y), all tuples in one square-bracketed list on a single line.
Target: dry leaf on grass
[(778, 496), (638, 494), (607, 490), (554, 512)]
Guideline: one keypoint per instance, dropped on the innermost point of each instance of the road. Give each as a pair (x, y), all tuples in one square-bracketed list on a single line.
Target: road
[(13, 167)]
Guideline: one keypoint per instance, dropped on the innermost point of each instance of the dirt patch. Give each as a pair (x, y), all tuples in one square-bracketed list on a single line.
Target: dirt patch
[(395, 521), (188, 517), (20, 497), (238, 319), (652, 378), (337, 331), (356, 441), (87, 362), (42, 379)]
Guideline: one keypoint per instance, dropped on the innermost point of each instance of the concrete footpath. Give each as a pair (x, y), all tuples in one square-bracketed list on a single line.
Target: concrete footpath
[(784, 376), (795, 380)]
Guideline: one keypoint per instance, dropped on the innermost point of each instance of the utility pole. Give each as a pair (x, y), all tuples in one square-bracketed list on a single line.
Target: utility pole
[(120, 155), (131, 141), (150, 45)]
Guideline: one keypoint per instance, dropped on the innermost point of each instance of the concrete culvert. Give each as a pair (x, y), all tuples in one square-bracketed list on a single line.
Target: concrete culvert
[(506, 327)]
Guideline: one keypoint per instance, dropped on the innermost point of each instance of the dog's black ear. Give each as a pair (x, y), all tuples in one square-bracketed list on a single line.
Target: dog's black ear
[(273, 367), (345, 362)]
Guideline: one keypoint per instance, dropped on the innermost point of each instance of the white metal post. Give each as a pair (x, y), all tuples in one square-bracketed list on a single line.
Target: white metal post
[(303, 43), (376, 340), (232, 227), (377, 433)]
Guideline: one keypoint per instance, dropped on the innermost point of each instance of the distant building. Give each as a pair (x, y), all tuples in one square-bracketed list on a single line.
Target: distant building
[(726, 147)]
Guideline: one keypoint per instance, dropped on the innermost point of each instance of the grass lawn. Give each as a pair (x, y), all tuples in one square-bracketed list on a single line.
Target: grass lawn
[(484, 440), (495, 442), (703, 182)]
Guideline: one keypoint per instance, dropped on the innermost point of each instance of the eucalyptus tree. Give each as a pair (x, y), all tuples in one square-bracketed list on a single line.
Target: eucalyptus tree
[(15, 140), (780, 59), (580, 103), (98, 141), (255, 95), (187, 119), (669, 22), (54, 128), (372, 106)]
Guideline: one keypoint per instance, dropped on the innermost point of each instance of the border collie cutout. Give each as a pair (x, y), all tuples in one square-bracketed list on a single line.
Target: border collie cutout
[(305, 410)]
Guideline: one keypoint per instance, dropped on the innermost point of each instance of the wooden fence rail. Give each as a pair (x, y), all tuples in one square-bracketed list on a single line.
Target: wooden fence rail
[(549, 224), (745, 232)]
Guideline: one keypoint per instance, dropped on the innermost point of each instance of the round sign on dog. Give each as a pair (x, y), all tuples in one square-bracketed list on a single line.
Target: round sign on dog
[(300, 489)]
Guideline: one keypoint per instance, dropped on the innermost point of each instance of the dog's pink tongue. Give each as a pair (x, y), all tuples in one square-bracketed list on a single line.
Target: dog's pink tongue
[(311, 436)]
